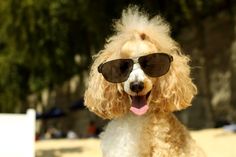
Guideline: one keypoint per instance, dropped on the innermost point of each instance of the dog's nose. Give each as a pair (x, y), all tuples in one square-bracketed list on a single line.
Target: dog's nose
[(136, 86)]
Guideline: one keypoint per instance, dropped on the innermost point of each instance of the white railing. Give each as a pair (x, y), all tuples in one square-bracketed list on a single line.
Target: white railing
[(17, 134)]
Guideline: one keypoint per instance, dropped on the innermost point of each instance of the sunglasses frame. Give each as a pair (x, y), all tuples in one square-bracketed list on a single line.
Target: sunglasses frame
[(136, 60)]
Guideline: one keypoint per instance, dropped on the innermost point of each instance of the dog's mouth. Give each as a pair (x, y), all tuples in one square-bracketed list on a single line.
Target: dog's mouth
[(139, 104)]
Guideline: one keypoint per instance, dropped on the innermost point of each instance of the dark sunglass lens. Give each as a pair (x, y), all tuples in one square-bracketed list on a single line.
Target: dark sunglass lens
[(116, 71), (155, 65)]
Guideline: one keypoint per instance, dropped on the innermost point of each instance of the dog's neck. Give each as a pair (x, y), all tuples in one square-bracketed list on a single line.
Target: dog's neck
[(134, 134)]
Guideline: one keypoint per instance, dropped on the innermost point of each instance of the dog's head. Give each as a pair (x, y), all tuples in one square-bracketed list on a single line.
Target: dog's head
[(141, 70)]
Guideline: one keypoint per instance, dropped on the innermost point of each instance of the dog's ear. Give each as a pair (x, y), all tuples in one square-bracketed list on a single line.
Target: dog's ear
[(176, 89), (102, 97)]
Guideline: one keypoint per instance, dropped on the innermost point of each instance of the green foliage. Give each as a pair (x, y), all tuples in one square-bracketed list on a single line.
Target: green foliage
[(39, 40)]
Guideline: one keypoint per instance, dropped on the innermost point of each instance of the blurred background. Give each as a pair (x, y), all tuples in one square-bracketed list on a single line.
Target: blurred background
[(46, 50)]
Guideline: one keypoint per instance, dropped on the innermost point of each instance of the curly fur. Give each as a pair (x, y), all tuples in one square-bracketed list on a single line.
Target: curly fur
[(162, 134)]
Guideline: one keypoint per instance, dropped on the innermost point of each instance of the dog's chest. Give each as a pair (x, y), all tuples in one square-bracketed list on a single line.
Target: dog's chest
[(123, 137)]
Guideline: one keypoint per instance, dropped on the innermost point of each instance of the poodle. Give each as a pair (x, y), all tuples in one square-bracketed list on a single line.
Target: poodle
[(137, 81)]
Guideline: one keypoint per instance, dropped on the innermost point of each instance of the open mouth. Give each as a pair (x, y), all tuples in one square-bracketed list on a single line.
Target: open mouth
[(139, 104)]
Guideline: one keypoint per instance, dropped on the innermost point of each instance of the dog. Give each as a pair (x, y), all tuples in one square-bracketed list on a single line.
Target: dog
[(137, 81)]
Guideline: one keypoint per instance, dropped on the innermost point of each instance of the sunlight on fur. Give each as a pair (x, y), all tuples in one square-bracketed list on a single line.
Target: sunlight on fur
[(152, 131)]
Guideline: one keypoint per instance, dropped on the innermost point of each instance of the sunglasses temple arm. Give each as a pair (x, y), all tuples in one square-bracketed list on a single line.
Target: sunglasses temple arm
[(100, 68), (171, 58)]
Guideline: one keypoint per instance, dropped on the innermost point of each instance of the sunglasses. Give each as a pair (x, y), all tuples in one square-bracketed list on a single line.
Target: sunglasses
[(153, 65)]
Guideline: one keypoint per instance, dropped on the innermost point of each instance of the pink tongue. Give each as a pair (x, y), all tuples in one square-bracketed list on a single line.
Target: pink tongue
[(139, 105)]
